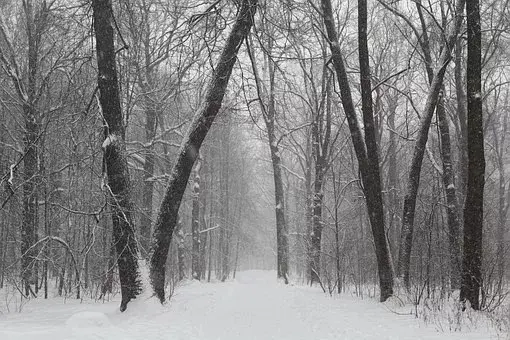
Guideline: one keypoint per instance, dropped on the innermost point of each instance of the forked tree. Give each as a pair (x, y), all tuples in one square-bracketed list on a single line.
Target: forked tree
[(365, 146)]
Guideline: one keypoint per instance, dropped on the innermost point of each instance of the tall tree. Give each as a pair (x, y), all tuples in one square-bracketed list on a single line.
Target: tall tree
[(446, 156), (413, 182), (267, 101), (188, 153), (114, 149), (29, 89), (366, 150), (473, 208)]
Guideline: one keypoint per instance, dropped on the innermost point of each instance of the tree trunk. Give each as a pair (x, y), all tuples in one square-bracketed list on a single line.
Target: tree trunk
[(368, 163), (393, 187), (462, 125), (473, 209), (181, 247), (282, 243), (148, 174), (167, 216), (28, 224), (413, 182), (451, 197), (269, 113), (226, 226), (114, 150), (317, 224), (195, 225), (31, 140)]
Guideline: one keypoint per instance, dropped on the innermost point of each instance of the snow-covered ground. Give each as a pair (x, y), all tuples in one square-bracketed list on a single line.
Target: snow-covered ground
[(253, 306)]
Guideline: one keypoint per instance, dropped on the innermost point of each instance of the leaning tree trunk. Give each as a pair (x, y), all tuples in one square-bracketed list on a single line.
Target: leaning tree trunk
[(372, 178), (114, 150), (369, 168), (167, 216), (473, 209), (413, 182), (448, 174)]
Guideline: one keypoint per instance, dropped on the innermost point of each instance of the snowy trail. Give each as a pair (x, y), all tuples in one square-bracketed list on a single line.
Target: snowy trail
[(253, 306)]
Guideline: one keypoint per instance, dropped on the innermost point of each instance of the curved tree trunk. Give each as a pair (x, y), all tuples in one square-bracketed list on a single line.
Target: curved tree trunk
[(114, 149), (167, 216)]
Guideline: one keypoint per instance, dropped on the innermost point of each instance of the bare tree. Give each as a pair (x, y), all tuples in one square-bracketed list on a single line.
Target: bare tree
[(167, 216), (114, 149), (267, 100), (366, 150), (413, 182)]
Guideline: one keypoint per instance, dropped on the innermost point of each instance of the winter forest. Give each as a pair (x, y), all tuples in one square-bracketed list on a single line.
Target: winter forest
[(338, 152)]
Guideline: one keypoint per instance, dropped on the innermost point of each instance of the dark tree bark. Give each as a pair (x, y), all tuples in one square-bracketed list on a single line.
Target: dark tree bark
[(167, 216), (413, 182), (196, 269), (282, 255), (473, 209), (114, 150), (366, 150)]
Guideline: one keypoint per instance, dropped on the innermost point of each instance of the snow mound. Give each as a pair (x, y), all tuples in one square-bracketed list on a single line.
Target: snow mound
[(394, 302), (88, 319)]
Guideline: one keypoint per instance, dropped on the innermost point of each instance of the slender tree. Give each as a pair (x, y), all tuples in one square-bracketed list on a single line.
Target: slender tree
[(188, 153), (413, 182), (267, 101), (196, 269), (366, 150)]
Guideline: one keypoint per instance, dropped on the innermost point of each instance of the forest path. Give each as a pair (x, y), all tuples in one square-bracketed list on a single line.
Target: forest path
[(253, 306)]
